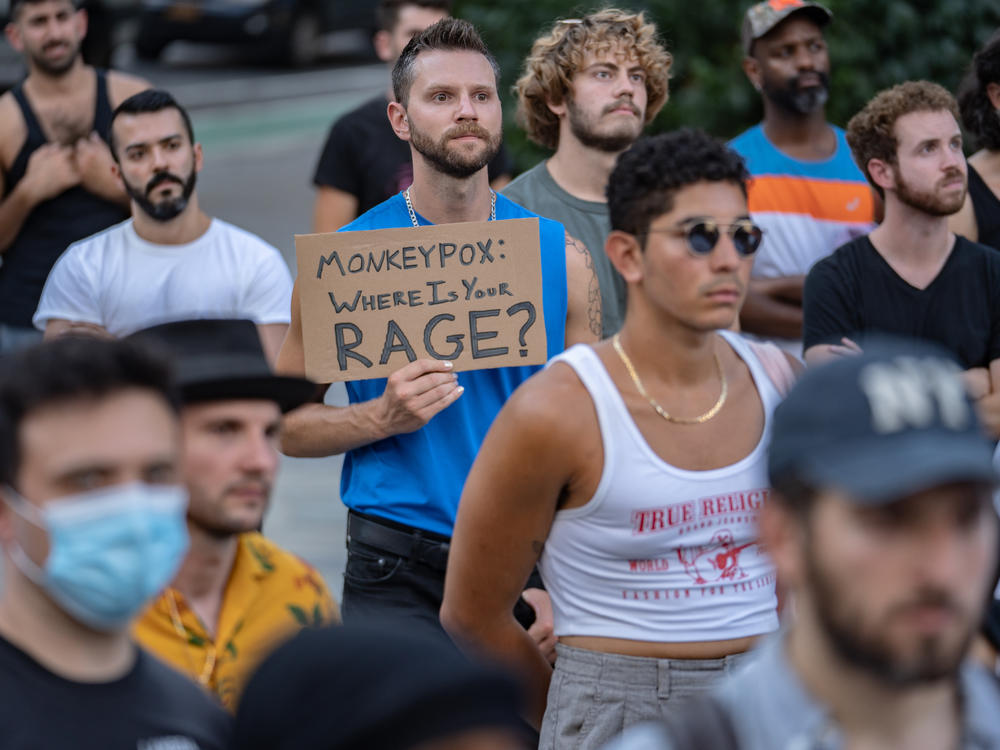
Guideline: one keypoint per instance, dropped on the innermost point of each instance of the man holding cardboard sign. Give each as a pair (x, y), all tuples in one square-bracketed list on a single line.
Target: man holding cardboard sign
[(410, 439)]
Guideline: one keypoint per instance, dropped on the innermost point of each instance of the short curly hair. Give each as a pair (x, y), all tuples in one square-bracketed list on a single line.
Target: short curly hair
[(871, 132), (978, 114), (648, 175), (557, 55)]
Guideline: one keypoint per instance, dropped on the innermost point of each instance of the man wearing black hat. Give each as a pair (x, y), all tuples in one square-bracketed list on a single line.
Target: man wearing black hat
[(236, 594), (882, 527), (807, 194)]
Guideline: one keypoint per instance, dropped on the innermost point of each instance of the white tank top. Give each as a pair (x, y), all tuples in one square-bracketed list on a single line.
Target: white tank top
[(661, 553)]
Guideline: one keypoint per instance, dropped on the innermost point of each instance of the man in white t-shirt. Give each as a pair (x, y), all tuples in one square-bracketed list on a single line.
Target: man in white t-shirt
[(170, 261)]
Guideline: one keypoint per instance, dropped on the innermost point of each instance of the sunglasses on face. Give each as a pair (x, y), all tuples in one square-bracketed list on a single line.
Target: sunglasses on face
[(702, 236)]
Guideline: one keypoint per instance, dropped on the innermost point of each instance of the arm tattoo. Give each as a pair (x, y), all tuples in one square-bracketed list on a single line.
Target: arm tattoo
[(593, 288)]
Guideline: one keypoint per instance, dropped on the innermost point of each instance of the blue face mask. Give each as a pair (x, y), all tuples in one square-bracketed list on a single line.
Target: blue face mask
[(110, 550)]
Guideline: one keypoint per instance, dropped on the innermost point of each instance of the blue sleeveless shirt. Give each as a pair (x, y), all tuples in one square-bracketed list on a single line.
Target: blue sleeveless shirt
[(416, 478)]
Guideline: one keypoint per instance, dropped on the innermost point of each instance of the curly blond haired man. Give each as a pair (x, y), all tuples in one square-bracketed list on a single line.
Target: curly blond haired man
[(589, 87)]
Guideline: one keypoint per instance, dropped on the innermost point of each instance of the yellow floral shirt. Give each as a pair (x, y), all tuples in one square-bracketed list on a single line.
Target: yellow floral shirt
[(271, 594)]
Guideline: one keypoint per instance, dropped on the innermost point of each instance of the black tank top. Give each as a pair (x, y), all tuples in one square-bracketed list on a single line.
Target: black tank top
[(987, 209), (52, 225)]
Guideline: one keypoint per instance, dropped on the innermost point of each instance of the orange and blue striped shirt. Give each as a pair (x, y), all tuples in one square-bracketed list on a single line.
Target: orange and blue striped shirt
[(807, 209)]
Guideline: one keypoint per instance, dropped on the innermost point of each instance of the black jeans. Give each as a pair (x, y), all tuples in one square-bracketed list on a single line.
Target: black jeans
[(383, 586)]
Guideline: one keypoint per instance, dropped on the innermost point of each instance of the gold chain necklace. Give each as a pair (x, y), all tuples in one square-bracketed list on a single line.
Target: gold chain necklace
[(659, 409), (175, 617)]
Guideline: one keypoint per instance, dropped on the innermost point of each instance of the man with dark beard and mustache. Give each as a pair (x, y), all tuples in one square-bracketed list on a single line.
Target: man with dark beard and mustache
[(881, 527), (56, 185), (807, 193), (170, 261), (911, 276), (410, 439), (589, 87)]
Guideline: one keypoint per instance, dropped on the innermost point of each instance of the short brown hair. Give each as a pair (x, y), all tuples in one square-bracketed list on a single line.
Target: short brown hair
[(871, 133), (451, 34), (557, 55)]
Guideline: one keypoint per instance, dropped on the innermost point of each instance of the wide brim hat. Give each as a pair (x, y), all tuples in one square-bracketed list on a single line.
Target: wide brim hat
[(223, 359)]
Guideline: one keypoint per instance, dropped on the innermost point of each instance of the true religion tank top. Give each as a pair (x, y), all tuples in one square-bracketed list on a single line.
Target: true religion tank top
[(661, 553)]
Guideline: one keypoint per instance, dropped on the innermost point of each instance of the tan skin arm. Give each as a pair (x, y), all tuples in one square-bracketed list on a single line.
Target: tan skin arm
[(773, 307), (583, 300), (59, 327), (271, 336), (333, 209), (413, 394), (511, 495)]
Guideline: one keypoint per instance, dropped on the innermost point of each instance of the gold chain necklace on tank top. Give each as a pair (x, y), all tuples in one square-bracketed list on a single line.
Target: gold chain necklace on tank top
[(616, 342)]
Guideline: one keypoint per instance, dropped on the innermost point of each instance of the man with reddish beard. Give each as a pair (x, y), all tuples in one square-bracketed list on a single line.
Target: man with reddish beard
[(881, 525), (807, 194), (56, 185), (171, 261), (411, 438), (589, 87), (911, 275)]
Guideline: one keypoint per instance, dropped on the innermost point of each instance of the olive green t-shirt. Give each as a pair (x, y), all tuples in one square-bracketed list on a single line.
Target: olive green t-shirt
[(587, 221)]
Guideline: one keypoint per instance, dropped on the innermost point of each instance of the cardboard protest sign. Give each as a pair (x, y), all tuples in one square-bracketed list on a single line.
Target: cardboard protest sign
[(375, 300)]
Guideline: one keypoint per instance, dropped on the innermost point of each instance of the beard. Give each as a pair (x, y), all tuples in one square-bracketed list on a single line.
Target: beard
[(168, 208), (218, 521), (926, 201), (584, 127), (456, 162), (56, 68), (792, 97), (868, 646)]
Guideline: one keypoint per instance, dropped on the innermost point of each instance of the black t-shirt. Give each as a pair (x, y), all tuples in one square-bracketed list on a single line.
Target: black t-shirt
[(986, 207), (855, 291), (152, 707), (362, 156)]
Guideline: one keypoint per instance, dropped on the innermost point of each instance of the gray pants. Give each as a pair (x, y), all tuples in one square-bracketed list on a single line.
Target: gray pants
[(594, 696)]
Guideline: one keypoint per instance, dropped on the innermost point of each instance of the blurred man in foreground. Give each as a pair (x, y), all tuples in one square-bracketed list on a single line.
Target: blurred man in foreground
[(92, 527), (883, 529)]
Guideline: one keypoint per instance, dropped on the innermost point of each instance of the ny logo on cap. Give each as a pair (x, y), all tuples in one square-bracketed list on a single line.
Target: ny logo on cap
[(908, 392)]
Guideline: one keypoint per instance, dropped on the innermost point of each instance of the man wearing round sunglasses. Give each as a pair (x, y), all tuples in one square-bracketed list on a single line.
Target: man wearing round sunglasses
[(91, 528), (633, 470)]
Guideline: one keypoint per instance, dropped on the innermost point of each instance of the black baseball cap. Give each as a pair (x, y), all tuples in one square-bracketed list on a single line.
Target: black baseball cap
[(892, 421)]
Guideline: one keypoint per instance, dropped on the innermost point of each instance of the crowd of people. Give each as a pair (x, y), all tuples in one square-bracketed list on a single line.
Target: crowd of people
[(747, 503)]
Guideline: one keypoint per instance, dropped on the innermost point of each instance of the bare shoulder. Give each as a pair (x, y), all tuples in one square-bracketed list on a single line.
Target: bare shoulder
[(13, 130), (549, 404), (578, 251), (123, 85)]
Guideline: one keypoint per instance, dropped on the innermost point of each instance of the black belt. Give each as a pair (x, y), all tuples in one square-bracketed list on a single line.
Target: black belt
[(411, 544)]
